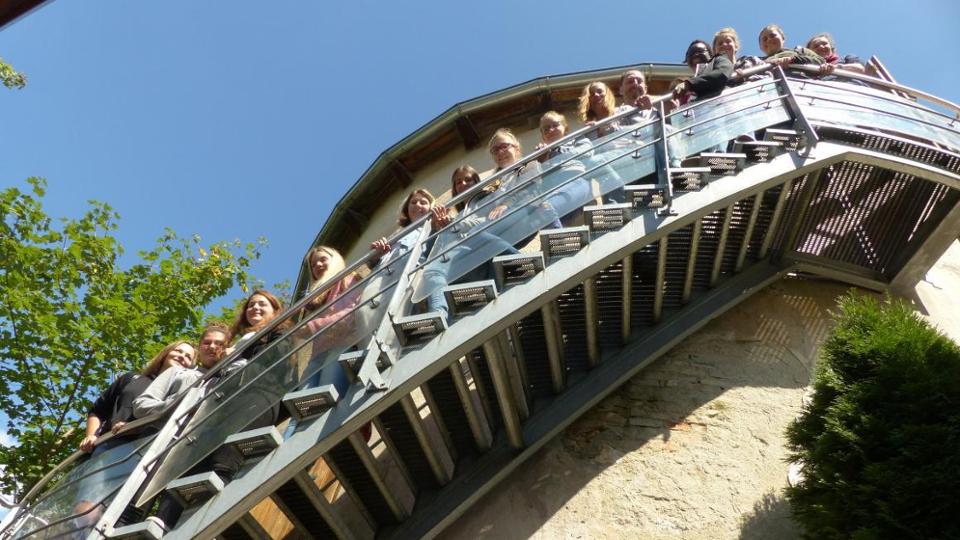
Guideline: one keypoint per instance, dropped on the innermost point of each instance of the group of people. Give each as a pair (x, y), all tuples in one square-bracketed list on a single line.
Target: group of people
[(493, 220)]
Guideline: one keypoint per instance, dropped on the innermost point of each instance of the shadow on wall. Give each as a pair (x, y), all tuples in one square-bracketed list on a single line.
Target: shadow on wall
[(770, 519), (690, 444)]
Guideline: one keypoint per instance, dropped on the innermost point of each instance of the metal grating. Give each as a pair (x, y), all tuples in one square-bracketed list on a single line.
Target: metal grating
[(710, 230), (736, 230), (609, 285), (485, 384), (451, 411), (790, 212), (534, 344), (644, 284), (678, 253), (574, 327), (299, 505), (893, 146), (865, 216), (401, 433), (762, 228)]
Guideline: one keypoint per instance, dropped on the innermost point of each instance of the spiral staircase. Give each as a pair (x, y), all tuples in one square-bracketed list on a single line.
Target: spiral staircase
[(857, 180)]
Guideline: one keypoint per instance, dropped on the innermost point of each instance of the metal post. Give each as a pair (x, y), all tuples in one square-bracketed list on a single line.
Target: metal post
[(501, 386), (472, 408), (626, 298), (658, 285), (721, 246), (775, 219), (691, 261), (592, 320), (808, 134), (554, 346), (751, 223)]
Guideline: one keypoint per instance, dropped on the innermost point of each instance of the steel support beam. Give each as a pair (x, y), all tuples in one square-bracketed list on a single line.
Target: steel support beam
[(592, 320)]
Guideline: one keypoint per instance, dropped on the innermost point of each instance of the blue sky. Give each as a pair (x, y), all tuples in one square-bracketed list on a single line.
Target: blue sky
[(243, 119)]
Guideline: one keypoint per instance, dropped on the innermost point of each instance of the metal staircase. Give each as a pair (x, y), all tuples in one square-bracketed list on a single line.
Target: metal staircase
[(863, 186)]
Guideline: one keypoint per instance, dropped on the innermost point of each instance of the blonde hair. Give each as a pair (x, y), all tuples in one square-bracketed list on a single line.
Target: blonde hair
[(334, 267), (609, 101), (155, 365), (726, 31), (504, 133), (555, 117)]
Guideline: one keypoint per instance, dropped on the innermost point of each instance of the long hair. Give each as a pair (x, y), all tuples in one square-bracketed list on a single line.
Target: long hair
[(404, 218), (475, 176), (335, 265), (155, 365), (609, 101), (241, 325)]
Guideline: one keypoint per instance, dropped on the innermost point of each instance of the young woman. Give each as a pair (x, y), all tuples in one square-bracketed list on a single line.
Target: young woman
[(773, 44), (114, 408), (418, 204), (517, 188), (336, 321), (570, 189), (726, 42), (824, 45)]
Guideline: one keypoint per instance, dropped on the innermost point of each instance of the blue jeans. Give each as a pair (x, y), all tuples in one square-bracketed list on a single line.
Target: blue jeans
[(323, 369)]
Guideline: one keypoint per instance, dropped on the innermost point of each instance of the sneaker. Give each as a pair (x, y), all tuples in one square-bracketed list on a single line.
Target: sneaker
[(159, 522)]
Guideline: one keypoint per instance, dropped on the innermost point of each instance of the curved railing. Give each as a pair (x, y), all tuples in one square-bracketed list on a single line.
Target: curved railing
[(422, 262)]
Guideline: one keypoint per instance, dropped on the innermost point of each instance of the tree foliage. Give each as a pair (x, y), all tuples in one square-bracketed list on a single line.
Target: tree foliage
[(11, 78), (72, 318), (880, 440)]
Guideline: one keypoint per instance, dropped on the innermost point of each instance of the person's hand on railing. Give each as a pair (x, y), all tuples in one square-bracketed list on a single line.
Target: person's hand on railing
[(497, 212), (827, 69), (541, 145), (644, 102), (783, 61), (381, 246), (88, 443), (117, 427)]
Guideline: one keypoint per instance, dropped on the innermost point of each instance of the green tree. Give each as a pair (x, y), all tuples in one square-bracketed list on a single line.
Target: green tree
[(880, 440), (10, 77), (71, 318)]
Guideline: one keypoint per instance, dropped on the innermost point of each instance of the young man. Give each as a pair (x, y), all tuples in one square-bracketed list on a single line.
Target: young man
[(168, 386)]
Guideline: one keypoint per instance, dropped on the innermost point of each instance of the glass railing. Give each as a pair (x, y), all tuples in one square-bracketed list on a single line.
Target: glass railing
[(533, 195), (843, 105), (78, 499)]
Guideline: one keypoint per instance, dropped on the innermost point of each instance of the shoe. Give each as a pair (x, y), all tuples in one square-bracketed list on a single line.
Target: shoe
[(159, 522)]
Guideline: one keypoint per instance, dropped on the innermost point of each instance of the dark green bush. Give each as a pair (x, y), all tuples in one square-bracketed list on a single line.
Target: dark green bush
[(880, 439)]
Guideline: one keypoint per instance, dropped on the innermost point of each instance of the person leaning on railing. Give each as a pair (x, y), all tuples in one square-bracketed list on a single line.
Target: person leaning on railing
[(772, 43), (114, 408), (259, 309), (597, 102), (570, 189), (824, 45), (726, 42), (419, 203), (169, 385), (336, 321), (711, 73)]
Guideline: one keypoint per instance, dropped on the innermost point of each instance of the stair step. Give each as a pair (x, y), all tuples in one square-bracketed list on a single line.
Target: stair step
[(606, 217), (722, 163), (195, 488), (689, 178), (255, 443), (468, 298), (311, 402), (646, 196), (789, 138), (759, 151), (513, 269), (414, 329), (563, 242)]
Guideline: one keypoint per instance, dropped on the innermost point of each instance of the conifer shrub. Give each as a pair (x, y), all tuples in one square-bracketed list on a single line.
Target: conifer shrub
[(880, 439)]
